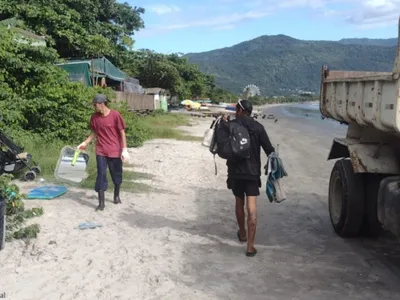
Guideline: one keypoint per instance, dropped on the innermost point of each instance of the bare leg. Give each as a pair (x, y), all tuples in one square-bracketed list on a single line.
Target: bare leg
[(251, 222), (240, 217)]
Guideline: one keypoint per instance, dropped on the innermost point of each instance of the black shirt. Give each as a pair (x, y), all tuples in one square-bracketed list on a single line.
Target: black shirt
[(250, 169)]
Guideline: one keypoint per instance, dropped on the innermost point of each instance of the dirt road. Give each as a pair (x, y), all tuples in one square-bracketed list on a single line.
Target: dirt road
[(178, 241)]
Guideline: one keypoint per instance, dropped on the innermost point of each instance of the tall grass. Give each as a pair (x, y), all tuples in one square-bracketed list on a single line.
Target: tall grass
[(163, 126)]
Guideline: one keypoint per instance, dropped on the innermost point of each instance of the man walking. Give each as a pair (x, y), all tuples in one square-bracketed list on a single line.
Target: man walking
[(244, 176), (108, 127)]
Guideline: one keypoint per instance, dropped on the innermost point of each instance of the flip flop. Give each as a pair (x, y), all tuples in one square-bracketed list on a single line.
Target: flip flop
[(251, 254), (238, 236)]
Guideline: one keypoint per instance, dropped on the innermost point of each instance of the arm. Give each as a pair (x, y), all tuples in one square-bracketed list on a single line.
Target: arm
[(83, 145), (265, 142), (123, 137), (121, 127), (90, 138)]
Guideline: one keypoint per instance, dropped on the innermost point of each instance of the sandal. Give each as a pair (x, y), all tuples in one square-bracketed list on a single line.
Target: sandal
[(251, 254), (238, 236)]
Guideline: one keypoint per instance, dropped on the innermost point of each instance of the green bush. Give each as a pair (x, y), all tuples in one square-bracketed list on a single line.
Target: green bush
[(16, 214), (37, 96), (136, 132)]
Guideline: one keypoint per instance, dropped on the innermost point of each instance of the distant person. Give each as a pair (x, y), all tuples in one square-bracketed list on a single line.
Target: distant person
[(108, 127), (244, 176)]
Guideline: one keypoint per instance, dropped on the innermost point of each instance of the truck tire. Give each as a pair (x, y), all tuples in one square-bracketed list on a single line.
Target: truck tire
[(346, 199), (371, 226)]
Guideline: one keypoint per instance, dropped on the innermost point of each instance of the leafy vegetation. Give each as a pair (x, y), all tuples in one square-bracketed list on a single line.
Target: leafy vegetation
[(94, 28), (16, 214), (173, 73), (78, 28), (373, 42), (281, 65), (36, 96)]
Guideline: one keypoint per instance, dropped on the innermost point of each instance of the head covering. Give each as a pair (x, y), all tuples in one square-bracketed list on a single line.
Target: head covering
[(100, 98), (245, 105)]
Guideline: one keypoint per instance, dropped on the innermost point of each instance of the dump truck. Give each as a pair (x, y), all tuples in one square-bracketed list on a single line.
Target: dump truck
[(364, 184)]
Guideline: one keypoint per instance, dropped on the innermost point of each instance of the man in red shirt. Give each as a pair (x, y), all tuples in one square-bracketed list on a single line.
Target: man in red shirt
[(108, 127)]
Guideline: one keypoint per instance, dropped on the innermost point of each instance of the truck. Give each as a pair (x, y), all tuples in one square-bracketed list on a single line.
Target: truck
[(364, 184)]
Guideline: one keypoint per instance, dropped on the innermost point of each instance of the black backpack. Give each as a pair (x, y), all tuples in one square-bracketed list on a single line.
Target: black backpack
[(231, 140)]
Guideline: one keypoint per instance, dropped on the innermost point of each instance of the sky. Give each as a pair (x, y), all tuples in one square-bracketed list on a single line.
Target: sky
[(173, 26)]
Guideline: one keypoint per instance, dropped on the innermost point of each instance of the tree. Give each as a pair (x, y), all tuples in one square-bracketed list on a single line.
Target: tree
[(94, 28), (36, 95), (82, 28)]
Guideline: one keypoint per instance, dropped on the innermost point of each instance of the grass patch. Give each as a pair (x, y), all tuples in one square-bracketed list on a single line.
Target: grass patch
[(163, 126), (46, 154)]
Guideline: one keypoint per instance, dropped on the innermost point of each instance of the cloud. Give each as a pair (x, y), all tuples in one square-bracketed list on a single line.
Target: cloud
[(228, 14), (364, 14), (219, 21), (374, 13), (225, 27), (161, 9), (313, 4)]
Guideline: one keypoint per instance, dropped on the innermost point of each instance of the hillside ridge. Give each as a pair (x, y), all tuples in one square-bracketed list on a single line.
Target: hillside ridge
[(280, 64)]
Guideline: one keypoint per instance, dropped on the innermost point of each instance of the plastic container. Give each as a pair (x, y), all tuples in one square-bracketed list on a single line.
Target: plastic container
[(72, 165)]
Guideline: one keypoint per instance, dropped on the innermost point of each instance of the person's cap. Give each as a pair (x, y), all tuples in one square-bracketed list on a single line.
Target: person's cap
[(100, 98), (245, 105)]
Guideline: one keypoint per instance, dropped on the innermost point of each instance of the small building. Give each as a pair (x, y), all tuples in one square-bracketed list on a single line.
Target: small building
[(100, 72), (160, 97)]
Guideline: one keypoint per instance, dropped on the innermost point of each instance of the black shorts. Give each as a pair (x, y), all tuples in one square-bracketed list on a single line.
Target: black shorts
[(241, 187)]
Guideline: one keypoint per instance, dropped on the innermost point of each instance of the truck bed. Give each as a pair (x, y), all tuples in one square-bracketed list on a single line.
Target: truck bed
[(366, 98)]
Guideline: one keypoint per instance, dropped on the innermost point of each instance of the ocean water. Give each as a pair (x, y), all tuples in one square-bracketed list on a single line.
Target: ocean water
[(311, 112)]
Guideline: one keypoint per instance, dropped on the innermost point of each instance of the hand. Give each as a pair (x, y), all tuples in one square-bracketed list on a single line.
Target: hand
[(82, 146), (125, 154)]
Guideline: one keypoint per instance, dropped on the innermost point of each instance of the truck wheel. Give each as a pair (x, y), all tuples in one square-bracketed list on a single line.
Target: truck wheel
[(371, 226), (346, 199)]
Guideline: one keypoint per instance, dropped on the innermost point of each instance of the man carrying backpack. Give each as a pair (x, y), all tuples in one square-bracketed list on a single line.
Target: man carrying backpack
[(244, 174)]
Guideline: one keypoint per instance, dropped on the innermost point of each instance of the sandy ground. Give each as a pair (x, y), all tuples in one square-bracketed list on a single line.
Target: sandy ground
[(178, 241)]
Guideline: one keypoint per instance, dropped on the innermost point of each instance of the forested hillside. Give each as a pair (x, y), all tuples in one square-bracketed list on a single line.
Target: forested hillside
[(371, 42), (283, 65)]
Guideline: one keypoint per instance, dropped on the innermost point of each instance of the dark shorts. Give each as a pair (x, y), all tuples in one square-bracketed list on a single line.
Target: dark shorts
[(241, 188)]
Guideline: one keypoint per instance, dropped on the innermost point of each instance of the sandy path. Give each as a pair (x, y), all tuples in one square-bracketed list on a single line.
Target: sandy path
[(178, 240)]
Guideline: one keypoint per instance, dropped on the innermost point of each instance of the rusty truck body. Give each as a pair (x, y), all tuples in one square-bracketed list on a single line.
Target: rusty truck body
[(364, 186)]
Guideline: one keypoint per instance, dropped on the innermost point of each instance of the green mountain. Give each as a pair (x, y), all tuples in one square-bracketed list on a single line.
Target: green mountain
[(281, 65), (371, 42)]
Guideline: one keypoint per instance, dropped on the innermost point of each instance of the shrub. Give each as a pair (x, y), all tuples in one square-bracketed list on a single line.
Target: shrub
[(16, 214), (37, 96)]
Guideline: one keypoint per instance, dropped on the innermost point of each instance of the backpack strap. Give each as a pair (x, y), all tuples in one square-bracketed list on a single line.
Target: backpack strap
[(215, 164), (215, 125)]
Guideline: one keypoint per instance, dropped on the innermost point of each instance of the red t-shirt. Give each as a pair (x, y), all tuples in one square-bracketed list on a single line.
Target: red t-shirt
[(108, 133)]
